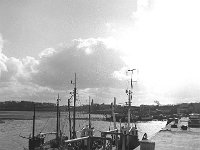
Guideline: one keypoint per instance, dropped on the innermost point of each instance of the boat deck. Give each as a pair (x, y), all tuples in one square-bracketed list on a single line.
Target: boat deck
[(176, 138)]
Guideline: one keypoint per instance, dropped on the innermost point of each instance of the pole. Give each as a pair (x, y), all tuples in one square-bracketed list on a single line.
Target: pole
[(114, 120), (130, 97), (70, 130), (89, 115), (58, 120), (113, 111), (74, 122), (129, 107), (33, 132)]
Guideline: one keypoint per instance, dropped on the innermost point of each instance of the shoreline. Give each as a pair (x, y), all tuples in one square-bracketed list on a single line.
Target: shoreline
[(28, 115)]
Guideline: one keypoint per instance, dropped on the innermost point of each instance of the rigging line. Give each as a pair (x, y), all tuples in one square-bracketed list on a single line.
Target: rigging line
[(23, 136), (45, 125), (64, 125)]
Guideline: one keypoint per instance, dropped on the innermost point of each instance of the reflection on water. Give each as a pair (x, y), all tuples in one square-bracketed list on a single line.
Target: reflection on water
[(11, 129)]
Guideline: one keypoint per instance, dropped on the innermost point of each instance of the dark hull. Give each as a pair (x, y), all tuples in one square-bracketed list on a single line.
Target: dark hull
[(134, 142)]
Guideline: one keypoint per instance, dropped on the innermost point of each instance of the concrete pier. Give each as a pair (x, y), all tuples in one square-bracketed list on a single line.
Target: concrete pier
[(176, 138)]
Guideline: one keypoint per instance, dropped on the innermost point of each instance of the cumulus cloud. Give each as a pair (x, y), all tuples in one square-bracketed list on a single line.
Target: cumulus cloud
[(13, 66), (28, 91), (12, 69), (17, 69), (103, 95), (93, 62), (15, 78), (47, 52), (16, 81)]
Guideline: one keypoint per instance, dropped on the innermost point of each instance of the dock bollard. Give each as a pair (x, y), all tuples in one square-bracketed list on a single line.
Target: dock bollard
[(147, 145)]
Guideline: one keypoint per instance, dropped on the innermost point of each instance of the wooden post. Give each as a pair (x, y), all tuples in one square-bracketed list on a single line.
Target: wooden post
[(88, 143), (70, 128), (116, 142), (123, 142), (89, 115), (74, 114), (113, 113)]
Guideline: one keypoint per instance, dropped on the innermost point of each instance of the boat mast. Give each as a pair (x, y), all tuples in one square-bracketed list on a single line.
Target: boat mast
[(89, 114), (113, 113), (33, 132), (74, 122), (58, 120), (70, 130), (130, 98)]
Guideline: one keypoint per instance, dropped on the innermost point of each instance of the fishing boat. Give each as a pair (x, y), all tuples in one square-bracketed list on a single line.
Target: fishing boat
[(87, 140), (194, 120), (37, 142), (131, 139), (125, 138)]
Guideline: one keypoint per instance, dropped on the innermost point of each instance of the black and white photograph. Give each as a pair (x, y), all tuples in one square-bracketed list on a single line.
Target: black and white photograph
[(99, 75)]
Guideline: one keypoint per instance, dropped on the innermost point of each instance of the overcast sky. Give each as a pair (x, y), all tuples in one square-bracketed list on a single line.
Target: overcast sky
[(44, 42)]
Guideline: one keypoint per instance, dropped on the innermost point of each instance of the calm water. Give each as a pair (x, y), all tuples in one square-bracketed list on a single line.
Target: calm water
[(11, 130)]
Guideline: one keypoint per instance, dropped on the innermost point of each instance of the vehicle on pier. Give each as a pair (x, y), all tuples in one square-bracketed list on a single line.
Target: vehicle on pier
[(194, 120)]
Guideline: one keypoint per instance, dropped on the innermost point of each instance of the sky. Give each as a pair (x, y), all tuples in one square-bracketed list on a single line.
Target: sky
[(43, 43)]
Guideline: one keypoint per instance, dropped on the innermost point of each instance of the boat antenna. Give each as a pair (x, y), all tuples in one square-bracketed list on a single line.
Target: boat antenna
[(70, 130), (74, 122), (129, 93)]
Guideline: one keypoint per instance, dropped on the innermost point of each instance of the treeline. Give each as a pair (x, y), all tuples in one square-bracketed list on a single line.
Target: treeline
[(102, 108), (26, 106)]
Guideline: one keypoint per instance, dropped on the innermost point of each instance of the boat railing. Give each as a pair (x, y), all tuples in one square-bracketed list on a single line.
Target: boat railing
[(89, 143)]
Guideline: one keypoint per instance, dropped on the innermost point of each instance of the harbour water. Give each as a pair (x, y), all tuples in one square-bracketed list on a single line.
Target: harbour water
[(12, 129)]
